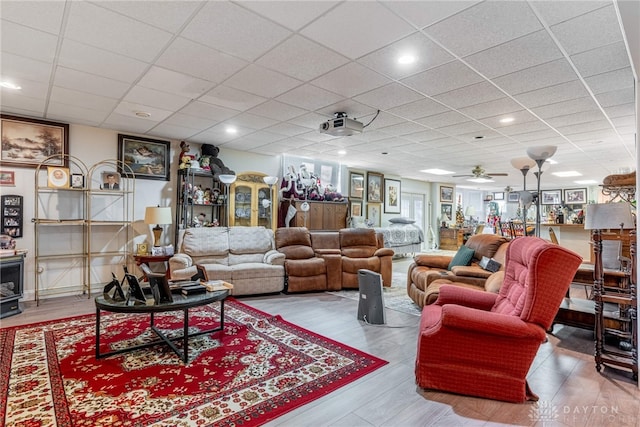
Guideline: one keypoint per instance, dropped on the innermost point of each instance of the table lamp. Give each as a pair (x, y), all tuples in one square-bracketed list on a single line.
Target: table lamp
[(157, 215), (470, 211), (227, 180)]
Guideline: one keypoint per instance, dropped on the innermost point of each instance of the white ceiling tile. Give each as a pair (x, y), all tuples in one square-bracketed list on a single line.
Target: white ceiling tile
[(554, 11), (231, 98), (208, 111), (576, 118), (566, 107), (126, 123), (549, 74), (616, 97), (261, 81), (77, 113), (518, 128), (27, 42), (188, 57), (602, 59), (376, 121), (193, 123), (173, 82), (519, 54), (552, 94), (444, 78), (89, 83), (403, 128), (421, 16), (388, 96), (420, 108), (30, 89), (157, 115), (80, 99), (611, 81), (293, 15), (443, 119), (96, 61), (218, 134), (287, 129), (277, 110), (465, 128), (92, 25), (424, 136), (168, 15), (309, 120), (501, 106), (353, 36), (350, 80), (18, 69), (353, 109), (474, 29), (163, 100), (21, 104), (309, 97), (301, 58), (584, 127), (621, 110), (470, 95), (250, 121), (535, 137), (427, 53), (39, 15), (169, 130), (578, 35), (232, 29)]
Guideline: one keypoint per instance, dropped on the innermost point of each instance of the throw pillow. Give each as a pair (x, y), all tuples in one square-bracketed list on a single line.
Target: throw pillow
[(401, 220), (462, 257), (489, 264)]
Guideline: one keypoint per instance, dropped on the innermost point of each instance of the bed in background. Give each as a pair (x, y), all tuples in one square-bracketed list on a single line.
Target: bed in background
[(402, 235)]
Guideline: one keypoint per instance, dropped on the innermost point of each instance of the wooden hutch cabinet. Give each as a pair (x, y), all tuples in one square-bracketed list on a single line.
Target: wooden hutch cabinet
[(252, 202), (320, 216)]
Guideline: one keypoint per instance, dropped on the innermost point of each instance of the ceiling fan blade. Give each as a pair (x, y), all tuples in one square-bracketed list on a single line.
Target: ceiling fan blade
[(460, 176), (498, 174)]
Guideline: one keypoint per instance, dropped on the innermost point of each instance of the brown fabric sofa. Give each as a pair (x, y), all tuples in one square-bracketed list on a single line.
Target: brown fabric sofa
[(427, 269), (340, 253)]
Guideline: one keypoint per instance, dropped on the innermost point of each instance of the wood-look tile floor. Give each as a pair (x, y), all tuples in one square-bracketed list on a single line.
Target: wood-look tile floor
[(563, 374)]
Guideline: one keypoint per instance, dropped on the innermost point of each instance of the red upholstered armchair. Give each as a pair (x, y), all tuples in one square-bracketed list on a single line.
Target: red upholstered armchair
[(482, 344)]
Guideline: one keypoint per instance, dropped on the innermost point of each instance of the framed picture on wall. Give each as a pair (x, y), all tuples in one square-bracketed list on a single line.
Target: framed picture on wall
[(356, 185), (27, 142), (147, 158), (374, 187), (498, 196), (373, 213), (356, 208), (446, 194), (575, 196), (551, 197), (392, 196), (513, 197), (446, 212)]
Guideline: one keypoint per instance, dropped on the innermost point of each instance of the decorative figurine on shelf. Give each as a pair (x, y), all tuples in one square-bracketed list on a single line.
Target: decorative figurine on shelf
[(207, 196), (202, 218), (216, 166), (205, 163), (198, 195), (289, 186), (185, 157), (330, 194)]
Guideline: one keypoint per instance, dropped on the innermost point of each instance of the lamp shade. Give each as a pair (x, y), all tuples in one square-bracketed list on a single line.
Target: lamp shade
[(270, 180), (602, 216), (541, 152), (523, 163), (157, 215), (470, 211), (227, 179), (526, 198)]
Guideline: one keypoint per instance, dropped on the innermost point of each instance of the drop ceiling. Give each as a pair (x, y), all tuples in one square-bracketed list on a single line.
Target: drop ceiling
[(276, 70)]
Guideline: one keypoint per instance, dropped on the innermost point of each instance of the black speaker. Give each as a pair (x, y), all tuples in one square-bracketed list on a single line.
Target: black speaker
[(371, 301)]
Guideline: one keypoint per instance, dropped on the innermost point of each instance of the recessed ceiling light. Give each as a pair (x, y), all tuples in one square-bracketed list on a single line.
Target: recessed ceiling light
[(551, 161), (406, 59), (384, 152), (231, 129), (507, 120), (566, 174), (586, 182), (142, 114), (10, 85), (342, 152), (478, 137), (437, 171)]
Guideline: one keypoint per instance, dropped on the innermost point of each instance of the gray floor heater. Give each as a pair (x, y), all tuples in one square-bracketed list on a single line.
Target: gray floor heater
[(371, 301)]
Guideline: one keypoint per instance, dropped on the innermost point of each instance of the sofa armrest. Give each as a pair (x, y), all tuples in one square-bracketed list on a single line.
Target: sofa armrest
[(383, 252), (478, 299), (274, 257), (333, 263), (488, 323), (471, 271), (435, 261), (180, 261)]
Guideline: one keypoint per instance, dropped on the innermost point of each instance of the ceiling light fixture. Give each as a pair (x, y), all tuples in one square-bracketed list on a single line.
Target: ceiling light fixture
[(406, 59), (480, 180), (342, 152), (478, 137), (143, 114), (507, 120), (437, 171), (9, 85), (231, 130), (586, 181), (566, 174)]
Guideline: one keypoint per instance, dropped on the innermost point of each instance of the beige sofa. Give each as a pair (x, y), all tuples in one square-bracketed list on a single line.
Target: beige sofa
[(243, 256)]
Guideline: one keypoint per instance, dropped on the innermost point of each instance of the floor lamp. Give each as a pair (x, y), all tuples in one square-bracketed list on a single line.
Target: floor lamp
[(270, 181), (540, 154), (523, 164), (227, 180)]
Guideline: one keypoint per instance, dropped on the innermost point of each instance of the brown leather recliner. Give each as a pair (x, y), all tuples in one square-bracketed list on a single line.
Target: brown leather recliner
[(305, 270), (361, 249)]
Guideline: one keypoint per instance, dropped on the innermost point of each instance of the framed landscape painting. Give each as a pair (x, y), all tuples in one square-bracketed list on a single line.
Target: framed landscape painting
[(28, 142), (147, 158)]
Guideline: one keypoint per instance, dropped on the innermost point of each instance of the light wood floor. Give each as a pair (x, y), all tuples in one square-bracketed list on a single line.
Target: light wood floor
[(563, 374)]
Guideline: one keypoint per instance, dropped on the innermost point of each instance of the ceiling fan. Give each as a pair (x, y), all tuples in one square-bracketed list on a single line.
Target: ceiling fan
[(478, 173)]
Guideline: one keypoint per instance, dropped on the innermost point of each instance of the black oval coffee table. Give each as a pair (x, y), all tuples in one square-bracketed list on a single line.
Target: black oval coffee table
[(183, 303)]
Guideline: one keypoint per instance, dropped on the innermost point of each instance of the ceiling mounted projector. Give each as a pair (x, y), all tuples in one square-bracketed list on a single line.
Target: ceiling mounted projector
[(341, 126)]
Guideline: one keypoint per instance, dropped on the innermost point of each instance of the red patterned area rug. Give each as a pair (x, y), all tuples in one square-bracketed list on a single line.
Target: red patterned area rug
[(257, 369)]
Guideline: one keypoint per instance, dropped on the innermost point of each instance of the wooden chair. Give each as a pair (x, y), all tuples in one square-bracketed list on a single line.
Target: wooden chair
[(552, 236)]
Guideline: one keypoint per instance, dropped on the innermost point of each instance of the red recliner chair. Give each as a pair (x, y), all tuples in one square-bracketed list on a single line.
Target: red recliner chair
[(482, 344)]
